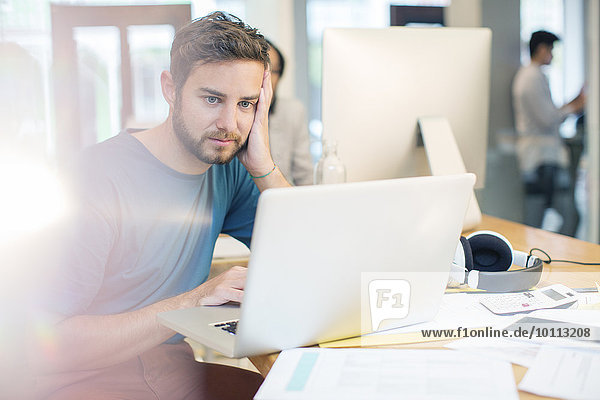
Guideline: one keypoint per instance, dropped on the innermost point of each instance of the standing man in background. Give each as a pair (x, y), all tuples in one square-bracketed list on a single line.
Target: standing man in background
[(540, 150), (288, 130)]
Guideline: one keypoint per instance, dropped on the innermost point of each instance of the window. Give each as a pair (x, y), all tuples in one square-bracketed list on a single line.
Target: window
[(25, 32)]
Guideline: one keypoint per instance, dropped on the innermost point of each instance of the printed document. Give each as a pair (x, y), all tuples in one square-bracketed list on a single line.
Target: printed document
[(564, 373), (313, 373)]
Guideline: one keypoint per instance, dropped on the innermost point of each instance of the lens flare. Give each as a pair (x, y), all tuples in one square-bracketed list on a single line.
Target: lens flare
[(32, 198)]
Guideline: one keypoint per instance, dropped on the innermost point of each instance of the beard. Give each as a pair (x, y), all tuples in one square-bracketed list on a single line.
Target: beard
[(201, 147)]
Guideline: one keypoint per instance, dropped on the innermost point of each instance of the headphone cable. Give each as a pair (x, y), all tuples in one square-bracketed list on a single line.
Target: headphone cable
[(550, 260)]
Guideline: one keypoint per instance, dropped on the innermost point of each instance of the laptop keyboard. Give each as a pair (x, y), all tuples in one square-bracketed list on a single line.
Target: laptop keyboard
[(228, 326)]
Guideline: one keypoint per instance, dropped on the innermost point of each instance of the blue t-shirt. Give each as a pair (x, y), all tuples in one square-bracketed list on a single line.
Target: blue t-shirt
[(142, 232)]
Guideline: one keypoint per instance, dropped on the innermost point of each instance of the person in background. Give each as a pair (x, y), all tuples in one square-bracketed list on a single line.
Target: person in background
[(541, 153), (148, 208), (288, 130)]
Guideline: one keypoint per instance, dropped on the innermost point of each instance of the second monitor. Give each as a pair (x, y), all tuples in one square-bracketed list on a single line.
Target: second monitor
[(377, 83)]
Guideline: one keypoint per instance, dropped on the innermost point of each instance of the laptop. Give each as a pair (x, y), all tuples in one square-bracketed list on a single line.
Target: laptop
[(312, 245)]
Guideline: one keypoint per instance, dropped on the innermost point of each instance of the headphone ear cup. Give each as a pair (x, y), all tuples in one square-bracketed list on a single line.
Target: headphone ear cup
[(491, 252), (468, 253)]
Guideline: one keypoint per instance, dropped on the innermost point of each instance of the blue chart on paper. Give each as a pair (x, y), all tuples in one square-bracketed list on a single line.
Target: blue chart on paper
[(302, 372)]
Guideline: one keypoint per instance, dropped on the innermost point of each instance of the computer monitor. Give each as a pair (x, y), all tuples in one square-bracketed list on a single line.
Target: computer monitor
[(377, 83)]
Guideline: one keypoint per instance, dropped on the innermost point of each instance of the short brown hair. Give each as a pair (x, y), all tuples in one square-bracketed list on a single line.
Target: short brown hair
[(216, 37)]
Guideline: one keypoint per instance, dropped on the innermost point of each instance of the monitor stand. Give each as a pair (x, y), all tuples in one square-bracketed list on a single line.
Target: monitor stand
[(445, 159)]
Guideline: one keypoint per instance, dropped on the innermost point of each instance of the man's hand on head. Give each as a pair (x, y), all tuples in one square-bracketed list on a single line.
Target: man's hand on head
[(257, 155), (225, 287)]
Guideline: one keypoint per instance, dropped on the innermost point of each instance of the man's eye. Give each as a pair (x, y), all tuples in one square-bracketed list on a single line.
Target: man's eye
[(212, 100), (246, 104)]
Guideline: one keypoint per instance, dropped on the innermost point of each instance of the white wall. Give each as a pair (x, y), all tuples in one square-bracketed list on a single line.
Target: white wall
[(503, 18), (463, 13), (574, 48), (275, 20)]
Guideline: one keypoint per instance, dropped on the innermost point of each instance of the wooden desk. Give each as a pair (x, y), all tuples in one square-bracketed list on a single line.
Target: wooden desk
[(522, 238)]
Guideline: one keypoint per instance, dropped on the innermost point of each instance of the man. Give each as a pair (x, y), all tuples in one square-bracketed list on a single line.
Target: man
[(150, 205), (288, 130), (541, 153)]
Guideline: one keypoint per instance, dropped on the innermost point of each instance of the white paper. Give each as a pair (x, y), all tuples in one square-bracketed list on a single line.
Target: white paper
[(564, 373), (229, 247), (521, 353), (588, 299), (583, 317), (385, 374), (458, 310)]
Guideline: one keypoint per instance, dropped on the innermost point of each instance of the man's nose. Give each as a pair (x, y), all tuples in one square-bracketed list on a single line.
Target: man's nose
[(227, 119)]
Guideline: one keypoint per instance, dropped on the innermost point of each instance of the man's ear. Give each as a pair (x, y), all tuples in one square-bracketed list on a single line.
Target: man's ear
[(168, 88), (544, 48)]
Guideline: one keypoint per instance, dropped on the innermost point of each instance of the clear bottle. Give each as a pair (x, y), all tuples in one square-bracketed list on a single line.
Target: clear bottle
[(330, 168)]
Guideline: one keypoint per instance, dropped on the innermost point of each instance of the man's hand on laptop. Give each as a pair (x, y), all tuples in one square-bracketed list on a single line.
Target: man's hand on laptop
[(226, 287)]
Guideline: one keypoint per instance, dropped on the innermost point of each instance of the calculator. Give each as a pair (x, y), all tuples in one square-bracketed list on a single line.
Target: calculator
[(547, 297)]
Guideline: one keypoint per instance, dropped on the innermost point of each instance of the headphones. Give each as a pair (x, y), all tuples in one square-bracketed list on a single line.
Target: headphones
[(483, 258)]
